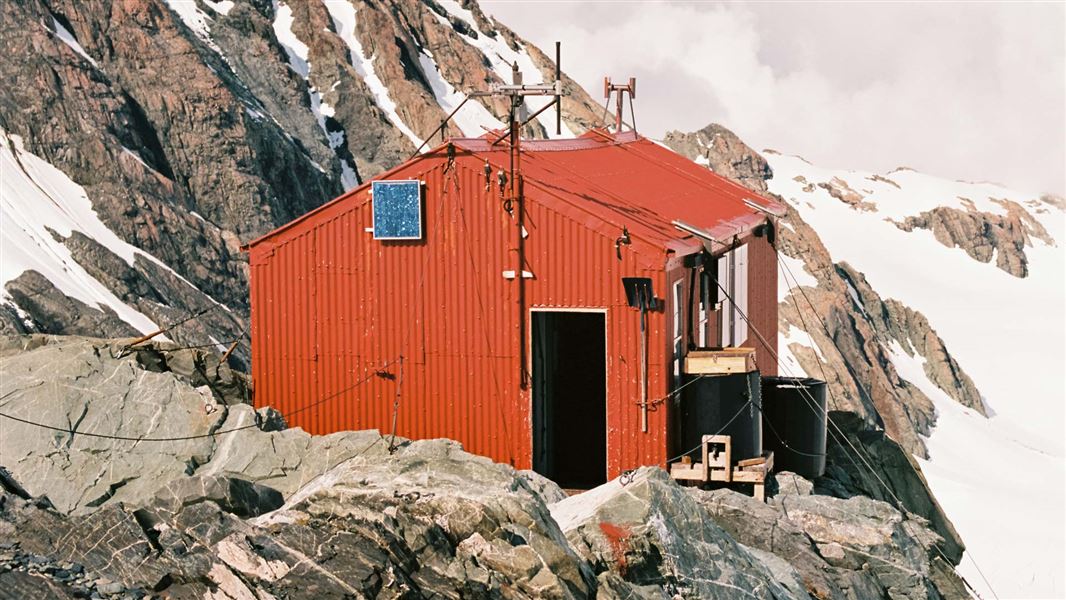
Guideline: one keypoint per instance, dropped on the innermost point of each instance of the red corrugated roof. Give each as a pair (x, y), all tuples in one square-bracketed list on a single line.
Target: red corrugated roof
[(621, 180)]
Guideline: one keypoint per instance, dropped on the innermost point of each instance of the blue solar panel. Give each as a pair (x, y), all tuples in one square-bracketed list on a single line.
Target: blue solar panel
[(397, 210)]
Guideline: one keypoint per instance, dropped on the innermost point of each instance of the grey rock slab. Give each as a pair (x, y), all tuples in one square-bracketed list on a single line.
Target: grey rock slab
[(652, 532), (87, 386)]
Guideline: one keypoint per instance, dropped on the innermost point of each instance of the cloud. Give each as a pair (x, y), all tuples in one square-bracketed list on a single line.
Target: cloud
[(967, 91)]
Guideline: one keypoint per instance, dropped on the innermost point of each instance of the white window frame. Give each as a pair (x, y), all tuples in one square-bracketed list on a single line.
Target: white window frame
[(725, 307), (733, 277), (740, 294), (678, 333), (704, 309)]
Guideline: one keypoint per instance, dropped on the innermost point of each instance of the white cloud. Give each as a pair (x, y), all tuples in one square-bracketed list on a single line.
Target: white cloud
[(968, 91)]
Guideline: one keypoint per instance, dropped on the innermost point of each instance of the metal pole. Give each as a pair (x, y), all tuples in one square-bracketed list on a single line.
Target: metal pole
[(558, 99), (396, 407), (643, 364)]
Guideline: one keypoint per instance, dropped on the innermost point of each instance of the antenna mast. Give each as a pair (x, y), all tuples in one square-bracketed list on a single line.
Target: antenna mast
[(630, 88), (517, 91)]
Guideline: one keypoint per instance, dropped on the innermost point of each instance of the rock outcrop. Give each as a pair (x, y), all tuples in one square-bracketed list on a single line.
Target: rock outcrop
[(724, 153), (649, 533), (983, 235), (853, 548)]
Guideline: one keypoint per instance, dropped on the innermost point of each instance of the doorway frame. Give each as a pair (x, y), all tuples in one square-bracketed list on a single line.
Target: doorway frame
[(602, 310)]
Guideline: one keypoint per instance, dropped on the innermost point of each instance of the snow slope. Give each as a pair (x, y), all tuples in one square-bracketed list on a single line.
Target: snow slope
[(298, 53), (36, 197), (1000, 479)]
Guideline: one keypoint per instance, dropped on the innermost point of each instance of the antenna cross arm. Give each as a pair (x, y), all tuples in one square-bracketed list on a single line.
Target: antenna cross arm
[(555, 89)]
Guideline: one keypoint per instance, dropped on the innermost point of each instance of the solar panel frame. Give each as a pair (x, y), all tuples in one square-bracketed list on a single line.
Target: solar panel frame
[(388, 225)]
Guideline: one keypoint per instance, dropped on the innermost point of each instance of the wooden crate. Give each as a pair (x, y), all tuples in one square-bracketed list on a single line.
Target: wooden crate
[(720, 362)]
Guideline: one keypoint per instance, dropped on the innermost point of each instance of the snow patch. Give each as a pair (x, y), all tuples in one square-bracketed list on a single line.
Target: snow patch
[(794, 273), (500, 57), (67, 38), (222, 7), (36, 197), (474, 119), (196, 20), (298, 53), (136, 157), (344, 21)]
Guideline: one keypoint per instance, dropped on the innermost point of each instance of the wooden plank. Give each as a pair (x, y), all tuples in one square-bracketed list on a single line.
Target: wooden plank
[(749, 462), (749, 476)]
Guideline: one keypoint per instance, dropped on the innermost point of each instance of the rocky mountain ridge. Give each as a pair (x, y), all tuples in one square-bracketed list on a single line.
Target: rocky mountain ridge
[(237, 507)]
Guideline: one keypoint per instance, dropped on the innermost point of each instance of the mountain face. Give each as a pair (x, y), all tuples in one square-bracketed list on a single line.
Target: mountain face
[(143, 142), (194, 127)]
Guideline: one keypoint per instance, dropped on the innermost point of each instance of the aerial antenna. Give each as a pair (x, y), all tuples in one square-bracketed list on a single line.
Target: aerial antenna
[(620, 89), (511, 183), (559, 85)]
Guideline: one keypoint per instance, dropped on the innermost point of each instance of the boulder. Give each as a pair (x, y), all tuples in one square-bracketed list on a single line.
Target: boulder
[(786, 482), (651, 532), (418, 510), (87, 388), (854, 548), (762, 526)]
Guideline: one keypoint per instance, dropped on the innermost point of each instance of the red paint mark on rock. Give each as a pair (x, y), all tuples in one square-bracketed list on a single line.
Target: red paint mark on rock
[(618, 538)]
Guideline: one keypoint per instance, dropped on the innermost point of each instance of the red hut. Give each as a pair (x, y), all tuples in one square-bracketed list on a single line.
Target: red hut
[(462, 304)]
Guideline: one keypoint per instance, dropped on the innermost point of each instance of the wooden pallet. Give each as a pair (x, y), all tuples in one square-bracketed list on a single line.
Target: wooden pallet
[(716, 465), (726, 361)]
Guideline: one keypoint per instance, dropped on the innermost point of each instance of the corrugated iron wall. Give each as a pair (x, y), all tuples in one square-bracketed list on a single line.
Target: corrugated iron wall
[(762, 302), (331, 307)]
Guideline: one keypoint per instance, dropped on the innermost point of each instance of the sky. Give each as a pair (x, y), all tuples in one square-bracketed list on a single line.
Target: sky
[(971, 91)]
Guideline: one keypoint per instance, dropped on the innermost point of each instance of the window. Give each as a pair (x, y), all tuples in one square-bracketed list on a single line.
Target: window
[(740, 295), (725, 307), (733, 277), (678, 328), (705, 305)]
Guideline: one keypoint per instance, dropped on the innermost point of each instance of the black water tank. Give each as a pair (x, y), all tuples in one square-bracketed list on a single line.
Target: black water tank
[(720, 405), (795, 420)]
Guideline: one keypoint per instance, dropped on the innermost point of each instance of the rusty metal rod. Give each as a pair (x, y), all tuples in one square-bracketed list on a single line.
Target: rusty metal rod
[(396, 408), (439, 128), (232, 347), (524, 123), (558, 99), (146, 337)]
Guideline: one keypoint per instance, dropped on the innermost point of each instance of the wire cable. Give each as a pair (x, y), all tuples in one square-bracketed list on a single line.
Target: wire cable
[(211, 434)]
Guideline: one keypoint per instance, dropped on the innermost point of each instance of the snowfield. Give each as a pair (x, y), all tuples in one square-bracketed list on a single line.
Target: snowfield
[(1000, 479)]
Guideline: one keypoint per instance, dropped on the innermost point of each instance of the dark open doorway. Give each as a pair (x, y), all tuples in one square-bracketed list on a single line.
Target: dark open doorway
[(570, 397)]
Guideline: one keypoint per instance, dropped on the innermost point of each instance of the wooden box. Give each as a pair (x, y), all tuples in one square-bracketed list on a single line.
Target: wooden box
[(720, 362)]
